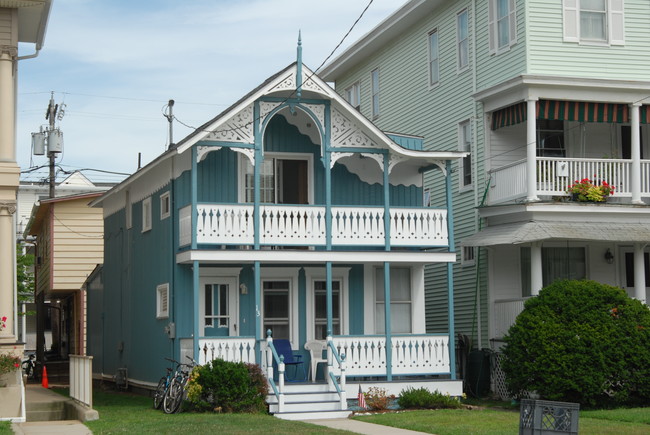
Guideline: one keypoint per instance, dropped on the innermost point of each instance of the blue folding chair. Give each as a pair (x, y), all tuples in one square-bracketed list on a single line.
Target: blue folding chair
[(283, 347)]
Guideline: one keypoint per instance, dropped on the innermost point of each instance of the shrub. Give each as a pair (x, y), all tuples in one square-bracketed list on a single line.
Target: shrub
[(225, 386), (9, 363), (376, 399), (423, 398), (581, 341)]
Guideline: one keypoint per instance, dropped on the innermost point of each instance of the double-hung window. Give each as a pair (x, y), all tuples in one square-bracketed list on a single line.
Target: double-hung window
[(434, 58), (465, 144), (320, 309), (594, 21), (374, 82), (462, 38), (353, 95), (557, 263), (400, 301), (502, 17)]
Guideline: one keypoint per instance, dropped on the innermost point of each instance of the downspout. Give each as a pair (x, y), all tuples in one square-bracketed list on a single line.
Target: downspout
[(30, 56), (174, 249), (477, 218)]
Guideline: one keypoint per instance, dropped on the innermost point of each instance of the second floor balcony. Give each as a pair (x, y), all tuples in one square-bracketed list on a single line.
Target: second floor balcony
[(305, 225), (554, 174)]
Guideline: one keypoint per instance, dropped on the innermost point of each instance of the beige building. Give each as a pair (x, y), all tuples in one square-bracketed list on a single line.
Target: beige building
[(69, 238)]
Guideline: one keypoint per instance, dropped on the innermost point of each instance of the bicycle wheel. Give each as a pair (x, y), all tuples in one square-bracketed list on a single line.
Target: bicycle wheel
[(174, 396), (159, 394)]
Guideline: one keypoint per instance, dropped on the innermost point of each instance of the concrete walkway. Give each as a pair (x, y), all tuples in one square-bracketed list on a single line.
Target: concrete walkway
[(362, 427), (67, 427)]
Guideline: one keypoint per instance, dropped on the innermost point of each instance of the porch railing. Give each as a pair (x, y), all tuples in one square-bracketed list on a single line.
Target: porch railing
[(81, 379), (300, 225), (234, 349), (336, 369), (505, 313), (555, 174), (272, 355), (411, 354)]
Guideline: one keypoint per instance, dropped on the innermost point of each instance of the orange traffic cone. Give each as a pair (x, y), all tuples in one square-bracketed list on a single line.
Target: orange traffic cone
[(45, 383)]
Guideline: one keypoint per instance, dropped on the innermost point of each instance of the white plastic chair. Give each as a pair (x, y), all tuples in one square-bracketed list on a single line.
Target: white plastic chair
[(315, 348)]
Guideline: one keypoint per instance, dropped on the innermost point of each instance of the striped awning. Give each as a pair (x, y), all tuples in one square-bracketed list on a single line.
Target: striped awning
[(567, 111)]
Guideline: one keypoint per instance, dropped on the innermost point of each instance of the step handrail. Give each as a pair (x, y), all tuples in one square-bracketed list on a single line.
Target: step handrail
[(272, 354), (333, 354)]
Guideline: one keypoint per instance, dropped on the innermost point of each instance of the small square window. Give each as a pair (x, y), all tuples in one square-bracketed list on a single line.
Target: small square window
[(165, 205), (146, 214), (162, 301), (468, 256)]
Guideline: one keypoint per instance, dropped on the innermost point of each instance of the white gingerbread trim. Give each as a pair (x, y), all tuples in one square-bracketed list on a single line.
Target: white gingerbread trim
[(379, 158), (336, 156), (239, 128), (202, 152)]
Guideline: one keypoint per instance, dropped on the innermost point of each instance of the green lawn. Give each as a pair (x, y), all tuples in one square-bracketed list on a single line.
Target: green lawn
[(502, 421), (5, 428), (129, 413)]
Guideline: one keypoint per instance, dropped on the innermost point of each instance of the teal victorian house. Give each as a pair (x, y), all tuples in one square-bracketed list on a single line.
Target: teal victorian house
[(289, 212)]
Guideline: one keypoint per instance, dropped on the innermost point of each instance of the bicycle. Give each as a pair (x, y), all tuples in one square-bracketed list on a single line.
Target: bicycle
[(163, 385), (29, 367), (176, 390)]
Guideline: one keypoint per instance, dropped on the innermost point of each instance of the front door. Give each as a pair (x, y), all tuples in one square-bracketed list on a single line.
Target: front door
[(219, 313)]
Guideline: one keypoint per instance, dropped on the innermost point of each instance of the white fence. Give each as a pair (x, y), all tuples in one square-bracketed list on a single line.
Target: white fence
[(505, 313), (305, 225), (411, 354), (234, 349), (81, 379)]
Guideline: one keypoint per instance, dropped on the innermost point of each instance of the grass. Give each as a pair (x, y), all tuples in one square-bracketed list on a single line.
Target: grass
[(498, 420), (5, 428), (130, 413)]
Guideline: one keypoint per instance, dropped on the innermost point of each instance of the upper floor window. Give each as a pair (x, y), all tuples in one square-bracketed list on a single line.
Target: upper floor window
[(283, 179), (434, 58), (353, 95), (165, 205), (462, 26), (502, 17), (146, 214), (465, 144), (594, 21), (374, 80)]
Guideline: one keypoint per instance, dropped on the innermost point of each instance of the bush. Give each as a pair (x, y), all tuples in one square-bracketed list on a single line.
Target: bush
[(422, 398), (581, 341), (376, 399), (224, 386)]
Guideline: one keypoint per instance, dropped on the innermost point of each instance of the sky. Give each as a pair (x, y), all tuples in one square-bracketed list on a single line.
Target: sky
[(114, 64)]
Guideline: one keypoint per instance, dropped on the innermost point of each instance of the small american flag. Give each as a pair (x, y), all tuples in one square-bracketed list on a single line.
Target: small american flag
[(362, 399)]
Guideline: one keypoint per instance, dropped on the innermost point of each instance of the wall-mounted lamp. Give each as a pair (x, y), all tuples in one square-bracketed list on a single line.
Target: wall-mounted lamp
[(243, 289), (609, 257)]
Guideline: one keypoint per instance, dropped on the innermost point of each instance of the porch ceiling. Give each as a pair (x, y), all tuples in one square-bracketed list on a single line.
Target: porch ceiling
[(313, 257), (534, 231)]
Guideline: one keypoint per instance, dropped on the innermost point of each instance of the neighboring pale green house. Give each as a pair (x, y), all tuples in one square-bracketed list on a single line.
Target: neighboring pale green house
[(465, 75)]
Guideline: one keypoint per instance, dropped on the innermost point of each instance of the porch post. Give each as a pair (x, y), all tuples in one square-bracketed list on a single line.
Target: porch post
[(194, 197), (327, 158), (531, 150), (639, 272), (259, 156), (450, 275), (195, 329), (387, 321), (258, 316), (635, 148), (536, 281)]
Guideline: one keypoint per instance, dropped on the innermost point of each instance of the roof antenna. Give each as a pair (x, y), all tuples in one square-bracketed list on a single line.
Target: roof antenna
[(299, 67), (169, 114)]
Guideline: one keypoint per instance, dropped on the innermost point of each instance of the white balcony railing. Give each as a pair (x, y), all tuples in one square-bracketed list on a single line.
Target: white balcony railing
[(233, 349), (294, 225), (505, 313), (555, 174)]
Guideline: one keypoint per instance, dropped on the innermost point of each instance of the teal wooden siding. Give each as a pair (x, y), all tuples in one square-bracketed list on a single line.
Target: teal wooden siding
[(218, 177)]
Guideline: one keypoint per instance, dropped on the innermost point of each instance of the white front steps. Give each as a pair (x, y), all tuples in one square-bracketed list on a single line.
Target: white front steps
[(307, 401)]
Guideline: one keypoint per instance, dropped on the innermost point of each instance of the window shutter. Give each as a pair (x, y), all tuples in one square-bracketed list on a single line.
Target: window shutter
[(617, 23), (571, 22), (513, 22), (492, 22)]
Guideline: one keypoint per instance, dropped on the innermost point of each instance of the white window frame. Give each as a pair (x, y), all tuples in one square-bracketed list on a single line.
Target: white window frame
[(146, 214), (228, 276), (162, 301), (465, 145), (434, 61), (462, 44), (243, 161), (374, 86), (614, 25), (468, 255), (353, 95), (284, 274), (165, 205), (509, 20), (340, 274)]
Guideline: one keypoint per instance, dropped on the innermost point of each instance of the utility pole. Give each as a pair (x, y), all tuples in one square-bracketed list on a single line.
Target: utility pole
[(51, 116)]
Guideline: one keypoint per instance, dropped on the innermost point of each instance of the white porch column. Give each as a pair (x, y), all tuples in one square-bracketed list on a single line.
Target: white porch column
[(536, 281), (531, 151), (635, 148), (639, 273)]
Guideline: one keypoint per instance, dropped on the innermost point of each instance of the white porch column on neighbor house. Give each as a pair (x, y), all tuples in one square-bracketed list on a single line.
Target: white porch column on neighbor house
[(635, 147), (531, 150), (639, 272), (536, 281)]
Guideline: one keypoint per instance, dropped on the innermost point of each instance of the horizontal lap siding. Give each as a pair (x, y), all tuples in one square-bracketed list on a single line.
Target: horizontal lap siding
[(549, 54)]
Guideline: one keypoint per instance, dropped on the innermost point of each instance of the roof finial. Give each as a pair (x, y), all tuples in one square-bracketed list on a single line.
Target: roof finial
[(299, 66)]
